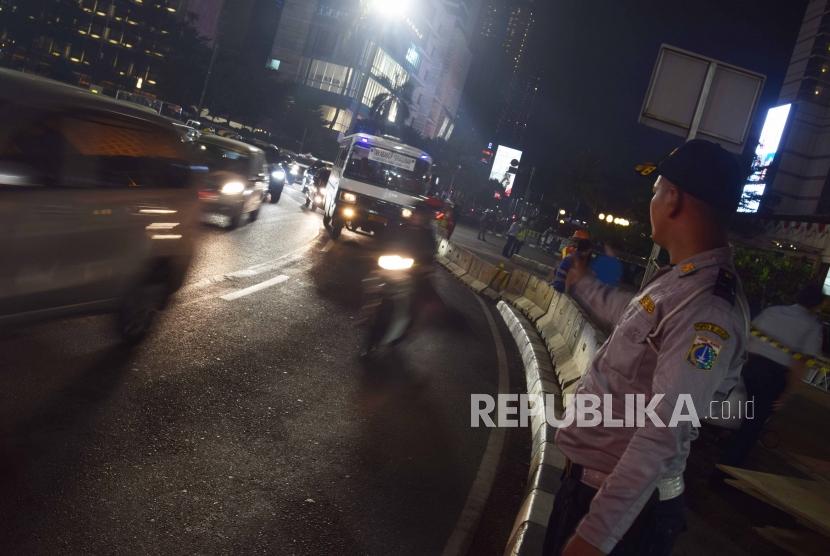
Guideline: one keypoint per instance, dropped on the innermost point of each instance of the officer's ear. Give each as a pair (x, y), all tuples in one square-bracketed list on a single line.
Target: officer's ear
[(674, 199)]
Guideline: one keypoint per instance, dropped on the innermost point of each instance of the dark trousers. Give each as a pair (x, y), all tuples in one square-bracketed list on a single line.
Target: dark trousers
[(765, 381), (482, 233), (653, 533), (510, 247)]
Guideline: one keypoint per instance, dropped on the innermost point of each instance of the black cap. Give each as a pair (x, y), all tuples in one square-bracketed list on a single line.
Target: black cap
[(706, 171)]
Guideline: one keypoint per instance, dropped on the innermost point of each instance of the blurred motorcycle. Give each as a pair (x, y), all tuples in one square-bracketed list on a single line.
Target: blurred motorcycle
[(388, 298)]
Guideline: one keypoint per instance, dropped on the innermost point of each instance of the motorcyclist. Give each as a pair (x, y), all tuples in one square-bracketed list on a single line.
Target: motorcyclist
[(413, 238)]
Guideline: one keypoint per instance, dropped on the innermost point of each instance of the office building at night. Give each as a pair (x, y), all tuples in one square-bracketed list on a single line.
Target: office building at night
[(348, 53), (114, 44), (800, 183)]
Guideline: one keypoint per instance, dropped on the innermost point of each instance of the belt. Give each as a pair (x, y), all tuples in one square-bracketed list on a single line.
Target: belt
[(667, 487)]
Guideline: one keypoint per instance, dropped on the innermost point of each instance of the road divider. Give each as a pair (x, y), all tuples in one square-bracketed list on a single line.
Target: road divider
[(557, 342)]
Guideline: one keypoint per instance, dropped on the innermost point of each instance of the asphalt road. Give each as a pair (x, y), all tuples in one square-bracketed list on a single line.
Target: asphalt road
[(247, 423)]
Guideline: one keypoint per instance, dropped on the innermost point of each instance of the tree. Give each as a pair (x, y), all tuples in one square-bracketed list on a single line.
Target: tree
[(182, 73), (391, 110)]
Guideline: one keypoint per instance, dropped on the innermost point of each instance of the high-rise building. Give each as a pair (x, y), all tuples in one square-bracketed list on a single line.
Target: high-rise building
[(503, 83), (246, 29), (800, 185), (347, 53), (205, 14), (117, 44)]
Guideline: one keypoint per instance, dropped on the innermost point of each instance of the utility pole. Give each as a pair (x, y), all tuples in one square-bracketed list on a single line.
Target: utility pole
[(207, 77), (527, 191)]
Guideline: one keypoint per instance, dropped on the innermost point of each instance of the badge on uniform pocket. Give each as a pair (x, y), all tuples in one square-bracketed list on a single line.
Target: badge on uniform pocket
[(704, 353)]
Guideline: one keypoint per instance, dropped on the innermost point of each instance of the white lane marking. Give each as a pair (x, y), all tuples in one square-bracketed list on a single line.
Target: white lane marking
[(329, 244), (462, 535), (254, 270), (255, 288)]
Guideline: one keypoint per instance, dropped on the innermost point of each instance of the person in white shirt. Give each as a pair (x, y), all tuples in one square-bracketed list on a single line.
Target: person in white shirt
[(770, 373)]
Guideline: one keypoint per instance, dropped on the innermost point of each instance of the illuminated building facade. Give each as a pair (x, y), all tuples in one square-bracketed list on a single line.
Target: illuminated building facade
[(114, 44)]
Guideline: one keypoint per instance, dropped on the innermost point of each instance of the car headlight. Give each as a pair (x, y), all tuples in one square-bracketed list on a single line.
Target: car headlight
[(232, 188), (395, 262), (349, 197), (295, 170), (406, 213), (278, 174)]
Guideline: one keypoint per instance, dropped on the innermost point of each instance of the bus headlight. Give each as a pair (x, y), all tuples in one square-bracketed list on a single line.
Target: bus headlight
[(348, 213), (349, 197), (406, 213)]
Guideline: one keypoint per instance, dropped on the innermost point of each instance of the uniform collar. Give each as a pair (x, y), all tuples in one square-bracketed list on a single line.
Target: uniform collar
[(722, 256)]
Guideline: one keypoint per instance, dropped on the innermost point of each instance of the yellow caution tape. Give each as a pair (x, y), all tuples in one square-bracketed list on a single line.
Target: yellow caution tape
[(812, 362)]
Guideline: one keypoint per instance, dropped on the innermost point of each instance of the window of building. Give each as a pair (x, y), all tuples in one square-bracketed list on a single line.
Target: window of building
[(443, 128), (343, 118), (413, 57), (327, 76), (273, 64), (372, 90), (386, 67)]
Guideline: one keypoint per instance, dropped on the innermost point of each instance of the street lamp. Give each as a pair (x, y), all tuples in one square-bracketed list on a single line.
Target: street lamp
[(391, 9), (562, 212), (601, 217), (609, 218)]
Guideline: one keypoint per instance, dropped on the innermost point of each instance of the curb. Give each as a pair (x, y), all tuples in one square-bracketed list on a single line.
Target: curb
[(557, 342), (547, 462)]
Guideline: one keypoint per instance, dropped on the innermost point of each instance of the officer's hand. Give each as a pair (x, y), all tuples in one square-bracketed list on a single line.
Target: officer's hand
[(578, 546), (577, 271)]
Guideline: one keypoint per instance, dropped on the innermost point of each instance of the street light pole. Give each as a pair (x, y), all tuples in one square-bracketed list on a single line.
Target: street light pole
[(207, 77)]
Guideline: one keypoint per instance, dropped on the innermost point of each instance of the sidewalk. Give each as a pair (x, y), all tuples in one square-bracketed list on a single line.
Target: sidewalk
[(490, 250)]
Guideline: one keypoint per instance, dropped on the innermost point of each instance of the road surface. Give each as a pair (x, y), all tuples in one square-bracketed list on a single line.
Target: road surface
[(247, 422)]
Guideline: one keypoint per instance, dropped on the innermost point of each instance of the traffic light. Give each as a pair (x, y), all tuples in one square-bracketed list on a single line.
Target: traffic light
[(487, 156)]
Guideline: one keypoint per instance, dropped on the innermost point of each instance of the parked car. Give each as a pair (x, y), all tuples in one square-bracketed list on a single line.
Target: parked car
[(276, 169), (98, 207), (237, 179)]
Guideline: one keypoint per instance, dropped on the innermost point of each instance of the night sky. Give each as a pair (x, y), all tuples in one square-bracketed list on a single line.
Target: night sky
[(597, 57)]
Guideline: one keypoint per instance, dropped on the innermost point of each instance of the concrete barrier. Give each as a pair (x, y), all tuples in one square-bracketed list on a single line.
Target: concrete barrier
[(515, 285), (557, 345)]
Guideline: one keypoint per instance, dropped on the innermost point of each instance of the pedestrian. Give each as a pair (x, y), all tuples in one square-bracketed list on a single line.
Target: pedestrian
[(682, 337), (770, 373), (582, 249), (484, 224), (607, 266), (453, 214), (521, 236), (512, 239)]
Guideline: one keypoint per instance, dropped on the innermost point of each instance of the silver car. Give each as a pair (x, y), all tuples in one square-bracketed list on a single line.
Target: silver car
[(98, 207), (238, 178)]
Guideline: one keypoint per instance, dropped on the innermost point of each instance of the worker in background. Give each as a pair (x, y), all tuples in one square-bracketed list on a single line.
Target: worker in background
[(771, 374)]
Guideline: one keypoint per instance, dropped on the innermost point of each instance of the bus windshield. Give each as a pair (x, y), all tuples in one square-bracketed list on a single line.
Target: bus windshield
[(388, 169)]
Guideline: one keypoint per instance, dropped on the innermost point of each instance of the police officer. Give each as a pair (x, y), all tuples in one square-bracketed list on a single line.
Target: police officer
[(683, 336)]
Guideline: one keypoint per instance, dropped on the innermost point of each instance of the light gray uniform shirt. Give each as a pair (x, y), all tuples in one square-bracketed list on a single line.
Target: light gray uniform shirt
[(685, 333)]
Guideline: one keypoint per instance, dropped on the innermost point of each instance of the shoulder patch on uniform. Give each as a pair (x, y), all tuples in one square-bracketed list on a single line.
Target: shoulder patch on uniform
[(713, 328), (726, 286), (647, 303), (703, 353)]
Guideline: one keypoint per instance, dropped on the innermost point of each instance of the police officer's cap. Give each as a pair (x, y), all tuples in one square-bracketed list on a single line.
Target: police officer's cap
[(706, 171)]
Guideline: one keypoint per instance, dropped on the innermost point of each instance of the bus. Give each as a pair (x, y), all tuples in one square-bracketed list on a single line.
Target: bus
[(375, 182)]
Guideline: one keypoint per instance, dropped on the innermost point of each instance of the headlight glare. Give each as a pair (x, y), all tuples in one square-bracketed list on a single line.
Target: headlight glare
[(232, 188)]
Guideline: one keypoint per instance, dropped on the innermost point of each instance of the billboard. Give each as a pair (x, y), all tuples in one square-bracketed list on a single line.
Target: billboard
[(768, 144), (502, 171), (695, 96)]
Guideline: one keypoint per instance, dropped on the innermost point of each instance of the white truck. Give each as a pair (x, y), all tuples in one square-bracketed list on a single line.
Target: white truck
[(374, 183)]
